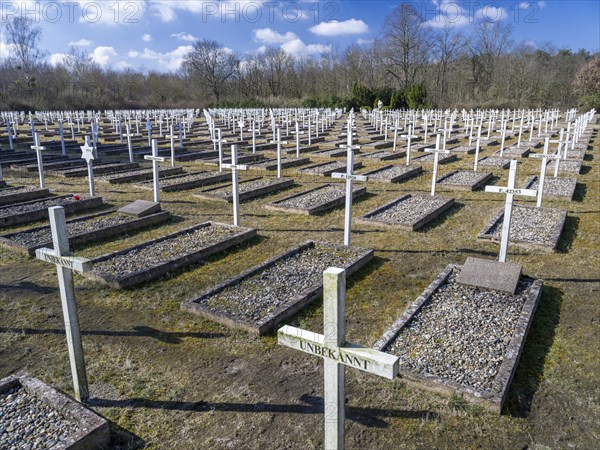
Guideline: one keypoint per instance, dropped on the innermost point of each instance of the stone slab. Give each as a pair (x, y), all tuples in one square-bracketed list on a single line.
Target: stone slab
[(93, 430), (490, 274), (140, 208), (493, 401), (280, 314)]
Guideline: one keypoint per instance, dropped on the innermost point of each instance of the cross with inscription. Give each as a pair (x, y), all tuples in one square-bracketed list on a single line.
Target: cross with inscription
[(510, 191), (155, 169), (436, 152), (129, 135), (149, 129), (409, 137), (297, 133), (40, 161), (219, 141), (336, 353), (172, 137), (87, 153), (61, 131), (279, 142), (65, 265), (234, 166), (545, 157), (254, 131)]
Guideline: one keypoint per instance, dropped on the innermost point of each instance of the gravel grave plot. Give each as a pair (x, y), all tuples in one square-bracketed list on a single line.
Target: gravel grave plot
[(317, 200), (463, 338), (529, 227), (241, 159), (492, 161), (577, 154), (99, 169), (158, 257), (465, 180), (463, 149), (34, 415), (50, 166), (489, 142), (568, 166), (326, 169), (271, 164), (514, 152), (187, 181), (332, 153), (303, 149), (428, 159), (138, 175), (22, 194), (247, 189), (408, 211), (380, 145), (266, 295), (83, 230), (393, 174), (558, 188), (383, 156), (38, 209), (27, 422)]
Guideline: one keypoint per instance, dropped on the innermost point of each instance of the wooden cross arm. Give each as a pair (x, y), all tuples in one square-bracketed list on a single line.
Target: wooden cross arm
[(75, 263), (279, 142), (365, 359), (346, 176), (155, 158), (505, 190), (234, 166)]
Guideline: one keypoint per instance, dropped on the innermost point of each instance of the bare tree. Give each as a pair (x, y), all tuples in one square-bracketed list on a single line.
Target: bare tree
[(213, 64), (406, 44), (24, 38), (276, 64), (448, 44)]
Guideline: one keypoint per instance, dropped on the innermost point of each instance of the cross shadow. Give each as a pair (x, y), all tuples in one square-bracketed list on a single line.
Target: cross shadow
[(580, 192), (370, 417), (585, 170), (121, 439), (138, 331), (530, 370), (28, 286), (568, 235), (443, 217)]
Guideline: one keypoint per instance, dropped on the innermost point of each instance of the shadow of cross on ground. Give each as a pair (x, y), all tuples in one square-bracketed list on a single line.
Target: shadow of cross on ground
[(168, 337), (370, 417)]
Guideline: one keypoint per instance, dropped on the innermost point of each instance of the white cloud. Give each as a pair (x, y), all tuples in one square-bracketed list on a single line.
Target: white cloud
[(166, 10), (117, 12), (146, 37), (57, 58), (185, 37), (80, 43), (336, 28), (361, 41), (441, 21), (542, 4), (268, 36), (491, 13), (104, 55), (170, 60), (299, 49), (6, 50)]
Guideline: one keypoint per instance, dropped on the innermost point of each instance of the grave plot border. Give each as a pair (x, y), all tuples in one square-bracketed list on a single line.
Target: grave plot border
[(577, 163), (506, 165), (372, 156), (284, 312), (567, 197), (406, 175), (41, 214), (93, 430), (295, 162), (460, 150), (491, 401), (331, 153), (558, 229), (24, 196), (173, 264), (81, 172), (66, 164), (278, 185), (331, 204), (509, 152), (486, 176), (424, 220), (89, 236), (443, 159), (192, 184), (305, 149), (116, 179), (327, 173)]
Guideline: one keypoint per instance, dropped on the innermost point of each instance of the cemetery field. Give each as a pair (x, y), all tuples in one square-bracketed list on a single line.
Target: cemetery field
[(168, 379)]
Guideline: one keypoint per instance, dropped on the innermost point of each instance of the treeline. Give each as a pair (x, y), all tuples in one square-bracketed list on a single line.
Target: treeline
[(412, 65)]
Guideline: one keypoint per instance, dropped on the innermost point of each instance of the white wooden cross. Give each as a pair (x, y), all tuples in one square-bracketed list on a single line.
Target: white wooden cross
[(510, 191), (95, 135), (545, 157), (503, 132), (65, 265), (255, 131), (241, 124), (87, 153), (477, 147), (220, 143), (297, 133), (155, 169), (279, 142), (10, 138), (349, 177), (172, 136), (149, 129), (234, 166), (409, 137), (336, 353), (436, 152), (61, 131), (520, 131), (128, 135), (40, 161)]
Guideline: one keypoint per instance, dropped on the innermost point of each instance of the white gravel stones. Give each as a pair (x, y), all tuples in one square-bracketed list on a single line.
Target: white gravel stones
[(23, 208), (316, 200), (17, 190), (246, 189), (392, 174), (326, 169), (187, 181), (409, 211), (461, 333), (466, 179), (463, 149), (139, 258), (568, 166), (271, 164), (29, 423), (383, 156), (514, 152), (539, 227), (137, 175), (492, 161), (428, 159), (560, 188), (254, 297)]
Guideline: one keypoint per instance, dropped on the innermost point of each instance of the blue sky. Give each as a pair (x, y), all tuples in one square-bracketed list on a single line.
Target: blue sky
[(155, 34)]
